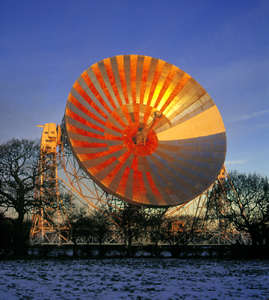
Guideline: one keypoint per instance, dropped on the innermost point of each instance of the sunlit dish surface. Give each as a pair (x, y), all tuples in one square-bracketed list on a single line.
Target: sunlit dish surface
[(178, 158)]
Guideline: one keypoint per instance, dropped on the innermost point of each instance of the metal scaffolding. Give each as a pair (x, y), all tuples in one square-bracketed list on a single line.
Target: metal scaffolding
[(50, 219), (50, 223)]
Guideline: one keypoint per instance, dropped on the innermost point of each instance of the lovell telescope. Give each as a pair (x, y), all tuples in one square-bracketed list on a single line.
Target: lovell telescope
[(143, 131)]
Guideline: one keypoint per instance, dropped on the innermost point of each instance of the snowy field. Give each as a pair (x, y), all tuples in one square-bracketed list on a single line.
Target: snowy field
[(134, 278)]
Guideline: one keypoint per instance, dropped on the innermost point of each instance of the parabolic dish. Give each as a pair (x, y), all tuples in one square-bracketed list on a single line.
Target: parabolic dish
[(181, 155)]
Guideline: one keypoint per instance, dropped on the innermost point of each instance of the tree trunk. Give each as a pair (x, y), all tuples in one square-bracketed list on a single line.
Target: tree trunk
[(129, 246), (156, 250), (101, 254), (19, 239), (254, 237), (75, 253)]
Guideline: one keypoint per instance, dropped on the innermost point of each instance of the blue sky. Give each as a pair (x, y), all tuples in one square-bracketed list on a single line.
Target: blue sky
[(223, 44)]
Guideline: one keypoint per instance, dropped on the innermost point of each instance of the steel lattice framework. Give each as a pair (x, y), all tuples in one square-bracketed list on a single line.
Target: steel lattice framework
[(46, 230), (50, 223)]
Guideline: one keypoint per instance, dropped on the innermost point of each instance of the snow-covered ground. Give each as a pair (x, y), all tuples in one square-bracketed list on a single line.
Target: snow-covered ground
[(134, 278)]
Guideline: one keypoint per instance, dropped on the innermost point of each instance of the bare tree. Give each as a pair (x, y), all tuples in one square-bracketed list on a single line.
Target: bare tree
[(155, 229), (244, 203), (102, 228), (81, 228), (131, 222), (18, 173)]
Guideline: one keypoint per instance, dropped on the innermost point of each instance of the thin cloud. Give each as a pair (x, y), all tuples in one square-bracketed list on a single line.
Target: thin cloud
[(263, 126), (253, 115), (235, 162)]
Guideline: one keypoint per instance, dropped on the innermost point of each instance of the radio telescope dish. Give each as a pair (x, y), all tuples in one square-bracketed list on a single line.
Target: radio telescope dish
[(145, 131)]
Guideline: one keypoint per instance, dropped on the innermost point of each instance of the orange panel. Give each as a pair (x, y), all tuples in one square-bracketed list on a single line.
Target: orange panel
[(95, 170), (126, 113), (122, 186), (108, 179), (120, 61), (136, 112), (111, 137), (147, 114), (139, 190), (90, 84), (117, 118), (81, 120), (166, 84), (185, 78), (134, 165), (133, 61), (76, 103), (76, 143), (146, 66), (85, 96), (155, 190), (124, 156), (111, 77), (77, 130), (101, 81), (89, 156), (113, 127), (155, 81)]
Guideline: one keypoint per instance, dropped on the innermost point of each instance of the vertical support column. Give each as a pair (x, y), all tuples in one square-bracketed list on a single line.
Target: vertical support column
[(49, 221)]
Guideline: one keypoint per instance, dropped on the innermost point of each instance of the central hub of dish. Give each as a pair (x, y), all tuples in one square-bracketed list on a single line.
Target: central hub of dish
[(129, 141)]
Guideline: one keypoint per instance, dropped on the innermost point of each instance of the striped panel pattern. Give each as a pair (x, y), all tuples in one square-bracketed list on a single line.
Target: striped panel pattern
[(185, 150)]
